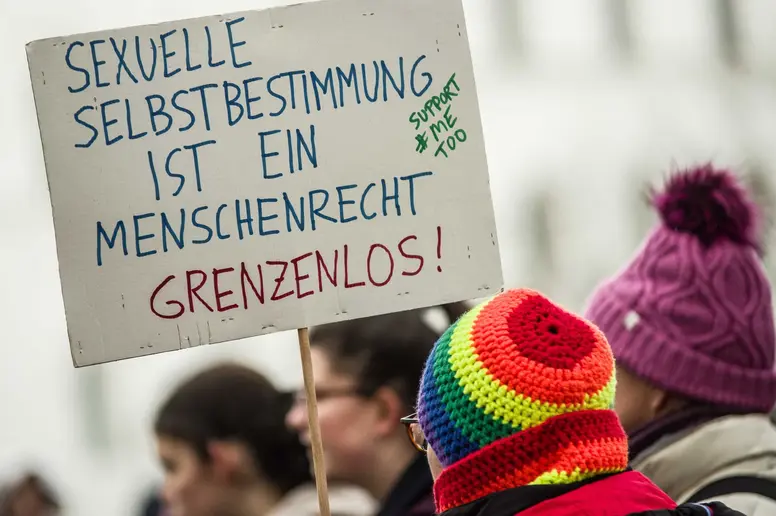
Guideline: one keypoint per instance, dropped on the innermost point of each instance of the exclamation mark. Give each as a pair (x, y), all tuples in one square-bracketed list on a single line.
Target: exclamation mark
[(439, 247)]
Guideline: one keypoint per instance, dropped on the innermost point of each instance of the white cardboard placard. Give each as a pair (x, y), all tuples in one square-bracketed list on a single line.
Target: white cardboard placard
[(230, 176)]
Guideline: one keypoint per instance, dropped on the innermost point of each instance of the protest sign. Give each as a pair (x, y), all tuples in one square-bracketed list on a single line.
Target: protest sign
[(230, 176)]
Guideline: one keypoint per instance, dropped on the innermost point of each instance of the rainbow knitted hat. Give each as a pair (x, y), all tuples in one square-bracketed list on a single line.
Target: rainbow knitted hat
[(519, 391)]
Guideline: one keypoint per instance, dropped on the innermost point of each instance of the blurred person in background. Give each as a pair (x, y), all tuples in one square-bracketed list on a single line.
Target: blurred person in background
[(152, 504), (29, 496), (226, 451), (690, 321), (515, 415), (366, 377)]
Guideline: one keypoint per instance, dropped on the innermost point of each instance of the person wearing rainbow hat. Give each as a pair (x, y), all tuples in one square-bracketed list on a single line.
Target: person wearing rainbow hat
[(515, 415)]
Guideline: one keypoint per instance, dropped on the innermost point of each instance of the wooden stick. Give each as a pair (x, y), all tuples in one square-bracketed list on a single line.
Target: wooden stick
[(312, 419)]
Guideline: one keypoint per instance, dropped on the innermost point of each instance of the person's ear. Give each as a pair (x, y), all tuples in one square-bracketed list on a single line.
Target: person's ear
[(389, 410), (229, 461), (661, 402)]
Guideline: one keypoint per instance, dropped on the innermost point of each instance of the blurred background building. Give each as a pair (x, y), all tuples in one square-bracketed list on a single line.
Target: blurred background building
[(584, 102)]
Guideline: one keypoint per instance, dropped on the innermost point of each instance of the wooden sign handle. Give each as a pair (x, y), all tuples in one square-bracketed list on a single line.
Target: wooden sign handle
[(312, 419)]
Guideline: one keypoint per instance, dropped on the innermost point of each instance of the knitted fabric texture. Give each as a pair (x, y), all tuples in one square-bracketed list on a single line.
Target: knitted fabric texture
[(692, 312), (516, 392)]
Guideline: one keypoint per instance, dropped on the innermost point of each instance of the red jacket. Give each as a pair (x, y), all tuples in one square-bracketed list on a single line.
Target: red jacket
[(617, 495), (621, 494)]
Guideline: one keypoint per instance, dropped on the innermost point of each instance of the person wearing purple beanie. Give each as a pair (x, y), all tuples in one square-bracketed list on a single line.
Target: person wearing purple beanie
[(690, 322)]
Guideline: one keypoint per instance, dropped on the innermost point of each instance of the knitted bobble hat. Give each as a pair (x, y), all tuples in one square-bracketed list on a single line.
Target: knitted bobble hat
[(519, 391), (692, 312)]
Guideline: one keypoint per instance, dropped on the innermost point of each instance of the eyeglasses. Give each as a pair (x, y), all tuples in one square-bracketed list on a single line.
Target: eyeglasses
[(322, 394), (415, 433)]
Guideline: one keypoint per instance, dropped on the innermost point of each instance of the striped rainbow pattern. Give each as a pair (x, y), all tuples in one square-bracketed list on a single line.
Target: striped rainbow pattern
[(520, 367)]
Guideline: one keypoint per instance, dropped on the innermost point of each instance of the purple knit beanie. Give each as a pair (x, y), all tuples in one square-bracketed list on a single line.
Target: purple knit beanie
[(692, 313)]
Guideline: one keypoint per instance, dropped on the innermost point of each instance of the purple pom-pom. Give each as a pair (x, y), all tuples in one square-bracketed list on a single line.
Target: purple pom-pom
[(710, 204)]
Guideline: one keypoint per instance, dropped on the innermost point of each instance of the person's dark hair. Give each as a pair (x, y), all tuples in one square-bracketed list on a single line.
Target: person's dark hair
[(30, 481), (152, 505), (233, 402), (386, 350)]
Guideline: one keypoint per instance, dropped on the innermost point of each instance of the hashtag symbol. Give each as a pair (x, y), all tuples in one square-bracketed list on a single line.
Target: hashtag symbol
[(422, 140)]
